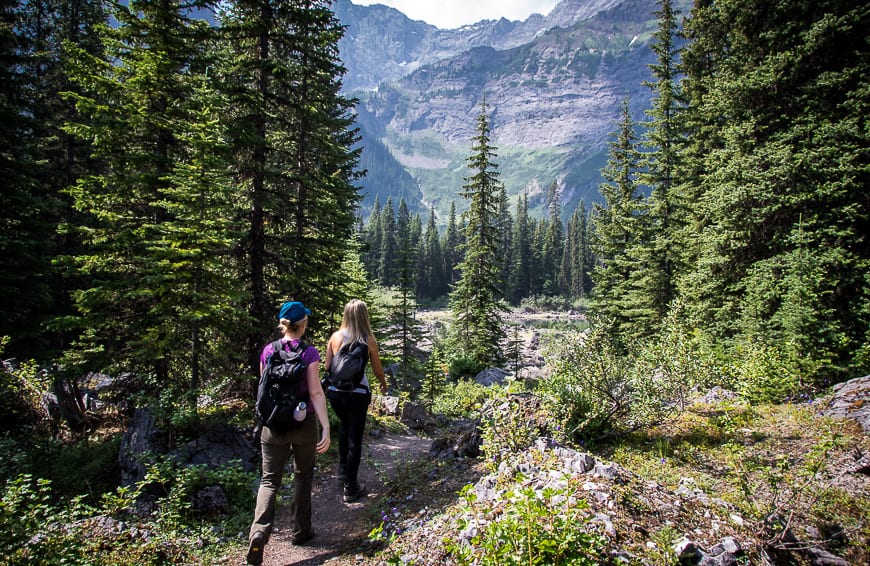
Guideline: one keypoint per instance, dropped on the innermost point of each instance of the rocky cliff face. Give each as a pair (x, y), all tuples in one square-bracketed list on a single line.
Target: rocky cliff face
[(552, 86)]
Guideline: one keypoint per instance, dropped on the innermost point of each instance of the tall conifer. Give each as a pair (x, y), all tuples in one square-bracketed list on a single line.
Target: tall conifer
[(658, 253), (387, 259), (25, 236), (451, 247), (405, 330), (521, 273), (785, 254), (294, 138), (476, 299), (615, 226), (148, 269)]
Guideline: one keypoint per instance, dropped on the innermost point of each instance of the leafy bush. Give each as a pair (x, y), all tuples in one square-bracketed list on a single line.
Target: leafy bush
[(511, 424), (20, 387), (38, 527), (546, 526), (85, 467), (675, 362), (33, 529), (589, 390), (462, 365), (462, 399), (762, 375), (595, 391)]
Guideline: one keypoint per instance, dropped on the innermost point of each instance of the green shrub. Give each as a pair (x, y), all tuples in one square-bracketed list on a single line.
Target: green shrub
[(511, 424), (588, 391), (461, 399), (84, 467), (674, 363), (463, 366), (596, 391), (761, 373), (545, 526), (34, 529), (36, 526), (20, 394)]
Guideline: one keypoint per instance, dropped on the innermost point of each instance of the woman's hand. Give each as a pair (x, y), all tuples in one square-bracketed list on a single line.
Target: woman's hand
[(323, 445)]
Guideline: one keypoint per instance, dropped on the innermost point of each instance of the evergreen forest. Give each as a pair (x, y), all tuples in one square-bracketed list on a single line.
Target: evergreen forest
[(168, 183)]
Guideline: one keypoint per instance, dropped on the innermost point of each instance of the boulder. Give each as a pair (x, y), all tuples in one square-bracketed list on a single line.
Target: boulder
[(220, 445), (414, 415), (141, 442), (850, 400), (387, 403), (491, 376), (211, 501)]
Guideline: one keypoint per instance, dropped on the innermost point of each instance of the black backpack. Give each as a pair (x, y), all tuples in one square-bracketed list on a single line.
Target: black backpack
[(348, 366), (278, 391)]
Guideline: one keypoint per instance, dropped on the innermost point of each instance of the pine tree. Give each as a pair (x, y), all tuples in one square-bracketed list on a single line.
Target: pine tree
[(405, 329), (476, 299), (198, 240), (24, 234), (45, 25), (553, 243), (356, 282), (451, 247), (658, 254), (505, 228), (584, 258), (159, 235), (539, 228), (576, 256), (786, 92), (417, 238), (373, 240), (615, 226), (387, 263), (520, 281), (294, 138), (432, 277)]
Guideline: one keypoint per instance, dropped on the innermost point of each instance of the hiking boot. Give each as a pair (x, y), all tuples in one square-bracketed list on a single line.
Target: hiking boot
[(302, 538), (255, 549), (352, 494)]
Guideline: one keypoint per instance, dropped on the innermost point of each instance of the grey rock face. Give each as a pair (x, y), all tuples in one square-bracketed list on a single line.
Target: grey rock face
[(851, 400)]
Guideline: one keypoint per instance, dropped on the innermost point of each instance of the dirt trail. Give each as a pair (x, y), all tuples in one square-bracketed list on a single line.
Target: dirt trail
[(342, 527)]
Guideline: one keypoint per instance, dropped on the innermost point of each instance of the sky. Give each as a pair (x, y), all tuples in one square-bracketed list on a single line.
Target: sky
[(449, 14)]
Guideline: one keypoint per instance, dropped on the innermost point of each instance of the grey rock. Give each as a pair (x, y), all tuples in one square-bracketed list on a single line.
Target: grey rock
[(414, 415), (220, 445), (606, 471), (850, 400), (211, 501), (491, 376), (390, 404), (140, 445)]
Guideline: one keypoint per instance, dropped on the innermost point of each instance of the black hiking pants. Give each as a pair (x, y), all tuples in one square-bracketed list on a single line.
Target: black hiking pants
[(351, 408)]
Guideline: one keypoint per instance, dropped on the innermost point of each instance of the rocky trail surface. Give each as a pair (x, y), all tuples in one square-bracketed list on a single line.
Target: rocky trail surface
[(342, 527)]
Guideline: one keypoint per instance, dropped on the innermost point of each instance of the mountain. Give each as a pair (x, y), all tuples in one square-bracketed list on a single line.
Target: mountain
[(552, 84)]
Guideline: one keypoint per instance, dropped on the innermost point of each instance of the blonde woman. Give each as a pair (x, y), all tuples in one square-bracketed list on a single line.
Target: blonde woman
[(351, 406), (301, 442)]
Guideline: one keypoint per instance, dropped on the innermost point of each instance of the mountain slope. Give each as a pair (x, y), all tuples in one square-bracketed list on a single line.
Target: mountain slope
[(552, 86)]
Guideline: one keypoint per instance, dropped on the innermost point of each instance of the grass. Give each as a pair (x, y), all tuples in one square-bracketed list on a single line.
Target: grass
[(780, 466)]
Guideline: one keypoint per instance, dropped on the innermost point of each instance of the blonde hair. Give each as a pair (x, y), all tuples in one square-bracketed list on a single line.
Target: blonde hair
[(355, 321), (286, 327)]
